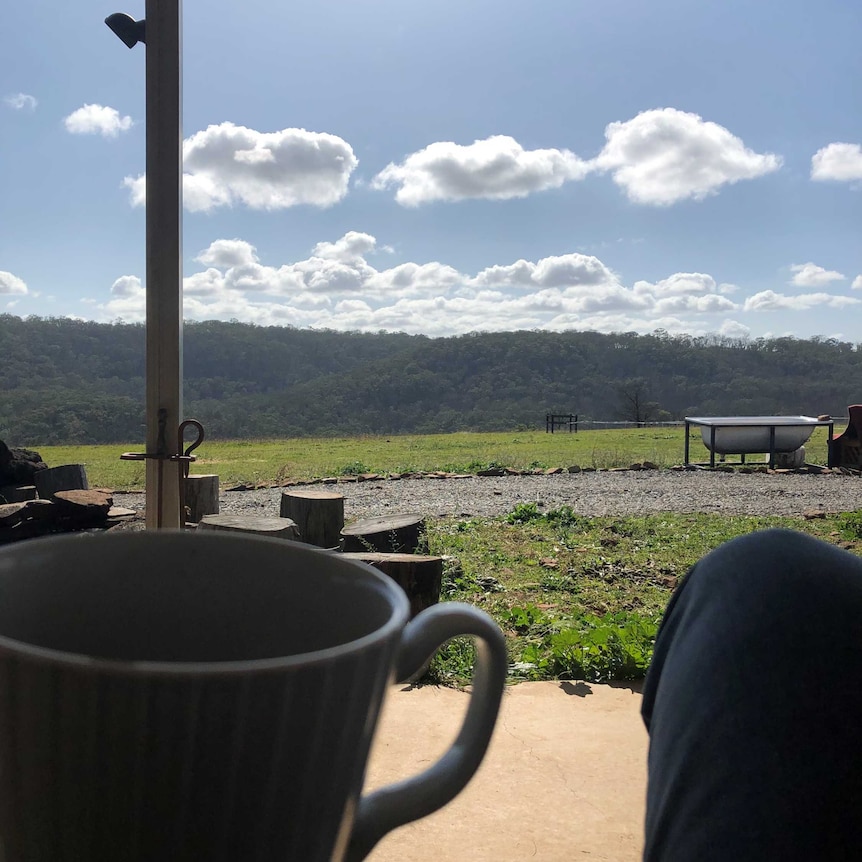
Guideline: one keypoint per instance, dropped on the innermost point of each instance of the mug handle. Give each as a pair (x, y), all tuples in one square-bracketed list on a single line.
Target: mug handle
[(396, 804)]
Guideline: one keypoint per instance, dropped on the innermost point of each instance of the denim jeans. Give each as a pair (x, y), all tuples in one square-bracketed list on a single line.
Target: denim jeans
[(753, 704)]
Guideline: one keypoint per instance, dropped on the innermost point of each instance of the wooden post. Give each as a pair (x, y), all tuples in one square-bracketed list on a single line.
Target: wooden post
[(319, 514), (399, 534), (201, 496), (419, 576), (164, 257)]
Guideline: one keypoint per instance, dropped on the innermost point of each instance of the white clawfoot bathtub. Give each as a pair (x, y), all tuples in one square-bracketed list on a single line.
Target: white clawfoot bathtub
[(746, 435)]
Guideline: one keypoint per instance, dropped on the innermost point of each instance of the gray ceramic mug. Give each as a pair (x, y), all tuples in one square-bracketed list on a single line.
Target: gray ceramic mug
[(169, 697)]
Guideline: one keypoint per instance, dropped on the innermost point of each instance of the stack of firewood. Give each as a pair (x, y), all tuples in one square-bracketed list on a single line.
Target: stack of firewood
[(65, 512)]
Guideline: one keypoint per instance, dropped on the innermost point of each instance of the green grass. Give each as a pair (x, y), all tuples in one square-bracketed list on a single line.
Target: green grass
[(579, 597), (257, 461)]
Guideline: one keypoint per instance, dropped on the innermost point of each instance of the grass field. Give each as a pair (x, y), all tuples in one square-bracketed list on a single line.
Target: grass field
[(256, 461), (577, 597), (581, 597)]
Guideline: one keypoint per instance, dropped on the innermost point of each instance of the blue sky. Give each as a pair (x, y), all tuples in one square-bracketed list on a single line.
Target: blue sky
[(447, 167)]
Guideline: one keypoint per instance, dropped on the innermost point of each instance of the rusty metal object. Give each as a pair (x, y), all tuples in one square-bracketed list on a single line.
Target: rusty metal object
[(161, 455), (186, 458)]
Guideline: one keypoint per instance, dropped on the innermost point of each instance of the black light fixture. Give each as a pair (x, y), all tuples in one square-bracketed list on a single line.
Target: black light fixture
[(130, 31)]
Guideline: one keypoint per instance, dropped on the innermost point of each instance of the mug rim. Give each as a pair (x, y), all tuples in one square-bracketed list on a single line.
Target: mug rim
[(399, 617)]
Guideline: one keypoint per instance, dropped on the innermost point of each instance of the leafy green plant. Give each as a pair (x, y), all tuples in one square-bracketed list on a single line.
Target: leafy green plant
[(566, 517), (592, 648), (613, 646), (357, 468), (523, 513), (850, 525), (523, 618), (452, 664), (476, 465)]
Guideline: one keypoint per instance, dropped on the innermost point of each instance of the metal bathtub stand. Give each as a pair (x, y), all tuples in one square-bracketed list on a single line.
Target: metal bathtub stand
[(715, 423)]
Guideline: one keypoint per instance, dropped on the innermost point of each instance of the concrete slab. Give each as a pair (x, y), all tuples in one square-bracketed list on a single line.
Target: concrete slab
[(564, 777)]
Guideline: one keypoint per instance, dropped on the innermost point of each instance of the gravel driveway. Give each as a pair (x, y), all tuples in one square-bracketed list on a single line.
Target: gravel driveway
[(599, 493)]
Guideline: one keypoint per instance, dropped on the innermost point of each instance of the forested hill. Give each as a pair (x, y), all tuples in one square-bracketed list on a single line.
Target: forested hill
[(71, 381)]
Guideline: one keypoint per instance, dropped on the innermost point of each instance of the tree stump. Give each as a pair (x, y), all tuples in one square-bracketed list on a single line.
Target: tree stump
[(200, 495), (69, 477), (419, 576), (318, 514), (400, 534), (279, 528)]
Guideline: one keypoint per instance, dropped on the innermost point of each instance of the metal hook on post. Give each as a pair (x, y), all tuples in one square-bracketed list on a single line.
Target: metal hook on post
[(186, 458), (161, 455)]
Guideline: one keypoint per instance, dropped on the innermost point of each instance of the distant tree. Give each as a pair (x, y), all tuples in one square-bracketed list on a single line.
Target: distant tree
[(634, 403)]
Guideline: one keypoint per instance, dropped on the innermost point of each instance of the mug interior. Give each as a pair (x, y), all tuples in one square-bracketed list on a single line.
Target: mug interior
[(185, 597)]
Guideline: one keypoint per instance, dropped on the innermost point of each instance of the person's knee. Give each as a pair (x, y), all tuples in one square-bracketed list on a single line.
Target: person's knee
[(776, 575), (777, 558)]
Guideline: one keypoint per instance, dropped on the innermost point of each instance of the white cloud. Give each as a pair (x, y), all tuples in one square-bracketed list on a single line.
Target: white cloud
[(665, 155), (841, 162), (21, 101), (227, 164), (678, 284), (496, 168), (127, 285), (734, 329), (565, 270), (857, 283), (769, 300), (11, 284), (692, 292), (337, 286), (710, 304), (128, 300), (226, 253), (97, 120), (811, 275), (349, 248)]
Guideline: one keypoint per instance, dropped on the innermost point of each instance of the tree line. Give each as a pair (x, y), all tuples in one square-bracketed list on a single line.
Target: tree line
[(73, 381)]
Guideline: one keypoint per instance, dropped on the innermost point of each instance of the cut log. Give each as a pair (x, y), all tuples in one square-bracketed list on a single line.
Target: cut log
[(201, 496), (17, 493), (419, 576), (318, 514), (400, 534), (280, 528), (69, 477)]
